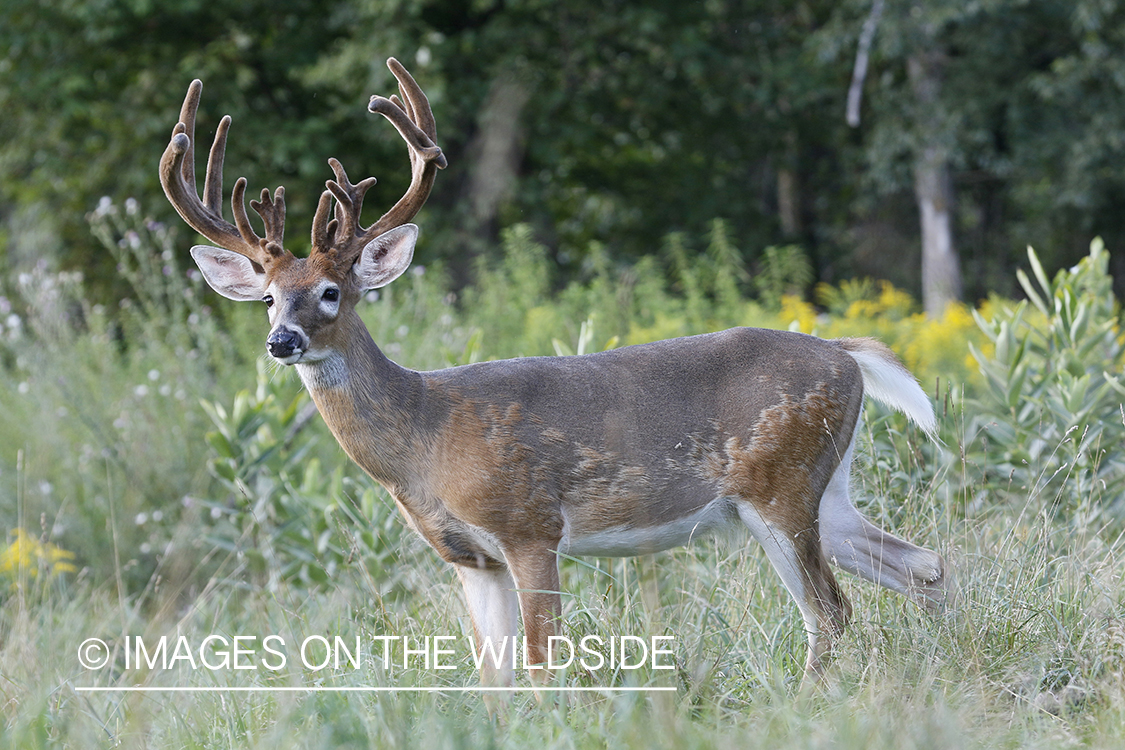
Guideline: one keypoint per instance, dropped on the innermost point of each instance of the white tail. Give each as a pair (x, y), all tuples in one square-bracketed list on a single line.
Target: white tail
[(888, 382)]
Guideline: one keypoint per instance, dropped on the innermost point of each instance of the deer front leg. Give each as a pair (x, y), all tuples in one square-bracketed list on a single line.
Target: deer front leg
[(491, 598), (536, 572), (800, 563)]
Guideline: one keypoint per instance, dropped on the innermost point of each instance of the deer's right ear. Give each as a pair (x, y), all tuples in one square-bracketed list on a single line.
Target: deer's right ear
[(230, 274)]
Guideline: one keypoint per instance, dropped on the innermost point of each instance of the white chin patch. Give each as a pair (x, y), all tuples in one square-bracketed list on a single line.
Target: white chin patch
[(292, 359)]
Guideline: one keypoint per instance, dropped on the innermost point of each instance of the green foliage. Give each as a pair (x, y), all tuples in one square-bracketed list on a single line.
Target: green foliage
[(784, 271), (1052, 415), (516, 311), (1075, 135), (94, 424), (639, 120), (284, 516), (709, 283), (165, 303), (585, 343), (503, 301), (92, 91)]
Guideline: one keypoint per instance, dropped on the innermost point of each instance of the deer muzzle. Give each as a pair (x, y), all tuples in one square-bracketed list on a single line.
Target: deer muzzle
[(286, 344)]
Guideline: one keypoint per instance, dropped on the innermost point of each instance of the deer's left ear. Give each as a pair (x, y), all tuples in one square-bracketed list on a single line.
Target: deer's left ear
[(386, 257)]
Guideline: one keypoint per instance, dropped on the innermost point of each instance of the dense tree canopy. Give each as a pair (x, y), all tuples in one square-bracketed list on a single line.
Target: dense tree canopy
[(605, 122)]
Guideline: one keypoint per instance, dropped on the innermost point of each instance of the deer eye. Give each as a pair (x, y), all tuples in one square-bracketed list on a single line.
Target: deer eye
[(268, 299), (331, 294)]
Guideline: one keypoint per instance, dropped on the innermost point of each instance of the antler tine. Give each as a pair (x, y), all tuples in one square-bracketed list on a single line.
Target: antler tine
[(272, 211), (417, 106), (177, 176), (412, 117), (345, 229), (187, 119), (402, 103), (414, 120), (323, 230), (213, 182)]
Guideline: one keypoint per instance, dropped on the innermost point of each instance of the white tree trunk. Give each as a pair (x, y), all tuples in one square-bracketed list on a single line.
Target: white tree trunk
[(941, 269), (933, 190)]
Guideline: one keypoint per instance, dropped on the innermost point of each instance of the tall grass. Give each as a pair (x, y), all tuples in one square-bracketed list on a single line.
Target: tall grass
[(1032, 657), (200, 496)]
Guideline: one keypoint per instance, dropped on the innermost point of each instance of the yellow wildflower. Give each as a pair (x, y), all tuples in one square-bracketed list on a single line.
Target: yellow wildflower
[(28, 554)]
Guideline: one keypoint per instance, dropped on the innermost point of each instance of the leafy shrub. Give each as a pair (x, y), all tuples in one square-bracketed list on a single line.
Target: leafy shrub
[(785, 271), (284, 516), (100, 401), (1052, 414), (503, 302)]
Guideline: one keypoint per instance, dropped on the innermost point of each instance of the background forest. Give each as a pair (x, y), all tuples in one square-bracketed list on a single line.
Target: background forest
[(606, 124), (619, 173)]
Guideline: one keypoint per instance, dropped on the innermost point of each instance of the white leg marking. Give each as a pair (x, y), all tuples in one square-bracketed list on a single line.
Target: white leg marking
[(494, 608), (783, 557), (858, 546)]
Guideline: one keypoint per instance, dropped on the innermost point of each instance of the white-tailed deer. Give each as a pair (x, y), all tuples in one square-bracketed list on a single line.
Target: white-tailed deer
[(499, 466)]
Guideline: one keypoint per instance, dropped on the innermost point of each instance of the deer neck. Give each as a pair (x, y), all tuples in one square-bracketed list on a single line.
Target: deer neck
[(371, 405)]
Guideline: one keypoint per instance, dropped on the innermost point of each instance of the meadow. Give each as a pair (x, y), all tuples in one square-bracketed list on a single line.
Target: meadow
[(159, 478)]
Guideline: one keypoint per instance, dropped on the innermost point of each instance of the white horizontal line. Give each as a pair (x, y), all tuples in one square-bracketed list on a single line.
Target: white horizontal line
[(369, 689)]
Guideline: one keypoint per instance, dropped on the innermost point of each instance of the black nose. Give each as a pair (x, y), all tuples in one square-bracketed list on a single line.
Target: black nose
[(282, 342)]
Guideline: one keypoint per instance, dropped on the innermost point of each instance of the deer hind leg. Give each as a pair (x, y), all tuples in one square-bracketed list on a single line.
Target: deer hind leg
[(799, 562), (858, 546), (491, 596)]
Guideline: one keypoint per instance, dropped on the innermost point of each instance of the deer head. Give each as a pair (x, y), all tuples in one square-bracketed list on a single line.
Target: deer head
[(307, 297)]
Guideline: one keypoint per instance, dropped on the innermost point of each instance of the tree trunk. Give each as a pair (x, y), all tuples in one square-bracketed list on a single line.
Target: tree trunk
[(497, 149), (493, 159), (941, 269), (789, 190)]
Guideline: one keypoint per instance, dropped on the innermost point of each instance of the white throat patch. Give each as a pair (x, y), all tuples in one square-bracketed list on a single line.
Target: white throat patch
[(330, 372)]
